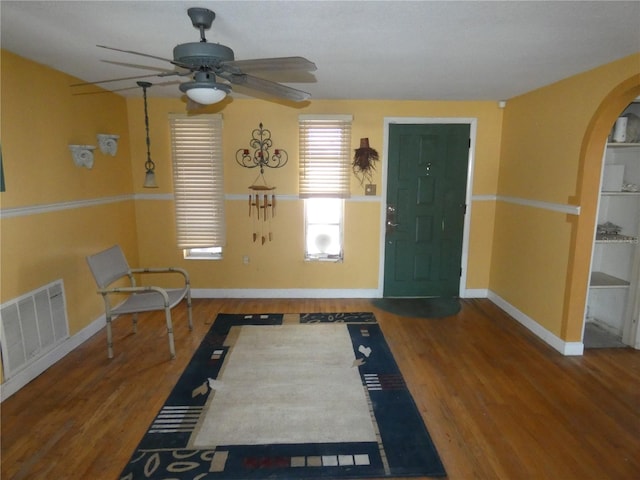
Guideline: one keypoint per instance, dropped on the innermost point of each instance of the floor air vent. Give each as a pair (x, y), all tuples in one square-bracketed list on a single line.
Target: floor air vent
[(31, 326)]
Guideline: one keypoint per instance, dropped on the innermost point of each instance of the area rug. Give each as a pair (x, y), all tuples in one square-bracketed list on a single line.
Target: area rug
[(435, 307), (288, 396)]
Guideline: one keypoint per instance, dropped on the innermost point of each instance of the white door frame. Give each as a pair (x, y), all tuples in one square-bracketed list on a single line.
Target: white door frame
[(473, 126)]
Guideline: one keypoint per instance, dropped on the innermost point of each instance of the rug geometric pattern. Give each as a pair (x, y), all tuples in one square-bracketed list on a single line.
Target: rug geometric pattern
[(400, 445)]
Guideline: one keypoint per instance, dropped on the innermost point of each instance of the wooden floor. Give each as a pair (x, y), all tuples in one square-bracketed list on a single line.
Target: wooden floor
[(498, 402)]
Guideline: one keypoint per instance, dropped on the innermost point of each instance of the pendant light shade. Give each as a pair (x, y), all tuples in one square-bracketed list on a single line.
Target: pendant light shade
[(150, 179)]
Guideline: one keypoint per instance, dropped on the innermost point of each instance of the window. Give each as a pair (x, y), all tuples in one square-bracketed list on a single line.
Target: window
[(323, 228), (325, 150), (209, 253), (196, 143)]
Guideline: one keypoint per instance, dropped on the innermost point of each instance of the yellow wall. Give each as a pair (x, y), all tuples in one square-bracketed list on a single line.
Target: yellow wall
[(527, 256), (279, 264), (541, 258), (55, 213), (40, 118)]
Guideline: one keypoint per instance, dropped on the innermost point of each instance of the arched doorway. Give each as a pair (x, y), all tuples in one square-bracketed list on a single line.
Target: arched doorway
[(588, 186)]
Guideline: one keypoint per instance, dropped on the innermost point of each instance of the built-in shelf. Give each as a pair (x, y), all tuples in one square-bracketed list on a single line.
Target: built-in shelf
[(620, 194), (622, 145), (615, 238), (612, 296), (603, 280)]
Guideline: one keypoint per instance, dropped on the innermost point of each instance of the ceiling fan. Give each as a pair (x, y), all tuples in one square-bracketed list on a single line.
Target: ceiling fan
[(208, 62)]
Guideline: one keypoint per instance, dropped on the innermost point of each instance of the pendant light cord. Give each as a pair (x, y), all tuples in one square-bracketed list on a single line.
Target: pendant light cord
[(149, 165)]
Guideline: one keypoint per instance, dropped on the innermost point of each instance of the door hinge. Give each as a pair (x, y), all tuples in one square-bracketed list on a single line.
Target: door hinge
[(469, 143), (460, 272)]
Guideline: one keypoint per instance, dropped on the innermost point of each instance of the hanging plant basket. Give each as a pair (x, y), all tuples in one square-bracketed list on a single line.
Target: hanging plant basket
[(364, 162)]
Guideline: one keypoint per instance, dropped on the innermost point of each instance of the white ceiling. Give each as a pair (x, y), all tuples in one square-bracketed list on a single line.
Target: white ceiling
[(431, 50)]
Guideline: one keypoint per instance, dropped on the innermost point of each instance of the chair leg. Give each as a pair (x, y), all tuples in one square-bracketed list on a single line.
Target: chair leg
[(109, 338), (189, 311), (172, 348)]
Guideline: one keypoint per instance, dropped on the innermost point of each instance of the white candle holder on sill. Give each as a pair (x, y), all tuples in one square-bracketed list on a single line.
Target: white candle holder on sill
[(82, 155), (108, 143)]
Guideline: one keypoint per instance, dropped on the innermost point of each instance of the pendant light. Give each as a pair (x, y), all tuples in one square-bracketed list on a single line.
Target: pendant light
[(150, 175)]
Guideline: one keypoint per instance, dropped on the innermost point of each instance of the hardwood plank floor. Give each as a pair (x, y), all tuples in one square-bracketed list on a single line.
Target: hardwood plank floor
[(498, 402)]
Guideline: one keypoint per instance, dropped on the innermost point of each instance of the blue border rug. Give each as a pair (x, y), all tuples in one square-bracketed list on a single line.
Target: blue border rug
[(403, 449)]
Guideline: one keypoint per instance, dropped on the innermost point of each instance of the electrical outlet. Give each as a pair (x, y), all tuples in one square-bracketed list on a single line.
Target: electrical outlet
[(245, 259), (370, 189)]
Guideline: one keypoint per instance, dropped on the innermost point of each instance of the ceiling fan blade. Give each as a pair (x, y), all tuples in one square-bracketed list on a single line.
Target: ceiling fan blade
[(111, 80), (267, 86), (104, 91), (266, 64), (135, 53), (143, 67), (163, 74), (95, 92), (145, 55)]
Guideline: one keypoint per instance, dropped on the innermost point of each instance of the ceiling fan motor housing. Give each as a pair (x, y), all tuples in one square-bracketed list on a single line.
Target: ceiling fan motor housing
[(202, 54)]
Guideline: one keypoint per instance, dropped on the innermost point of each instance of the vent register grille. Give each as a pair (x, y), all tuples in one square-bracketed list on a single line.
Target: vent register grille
[(31, 326)]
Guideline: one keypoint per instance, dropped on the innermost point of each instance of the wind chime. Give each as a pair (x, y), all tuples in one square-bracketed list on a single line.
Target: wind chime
[(262, 206)]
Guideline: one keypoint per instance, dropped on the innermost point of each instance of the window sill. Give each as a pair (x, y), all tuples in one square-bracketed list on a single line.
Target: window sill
[(324, 259)]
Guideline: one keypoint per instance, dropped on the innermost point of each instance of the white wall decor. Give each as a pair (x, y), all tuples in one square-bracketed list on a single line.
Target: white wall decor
[(82, 155), (108, 143)]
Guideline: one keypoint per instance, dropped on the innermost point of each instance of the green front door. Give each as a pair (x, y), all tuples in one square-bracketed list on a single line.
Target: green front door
[(426, 192)]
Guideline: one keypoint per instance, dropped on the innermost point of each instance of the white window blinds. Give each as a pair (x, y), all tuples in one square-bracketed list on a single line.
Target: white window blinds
[(325, 151), (196, 143)]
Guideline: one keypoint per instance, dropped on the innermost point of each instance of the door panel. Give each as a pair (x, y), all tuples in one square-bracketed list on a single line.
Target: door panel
[(426, 191)]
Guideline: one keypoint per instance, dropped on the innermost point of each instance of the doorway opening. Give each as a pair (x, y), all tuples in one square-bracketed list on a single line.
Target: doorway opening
[(613, 300)]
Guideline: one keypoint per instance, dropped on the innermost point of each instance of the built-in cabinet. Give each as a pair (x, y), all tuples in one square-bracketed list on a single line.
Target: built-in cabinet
[(614, 282)]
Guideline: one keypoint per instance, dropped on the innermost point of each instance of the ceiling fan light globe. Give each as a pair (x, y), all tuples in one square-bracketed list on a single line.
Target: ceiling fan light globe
[(206, 95)]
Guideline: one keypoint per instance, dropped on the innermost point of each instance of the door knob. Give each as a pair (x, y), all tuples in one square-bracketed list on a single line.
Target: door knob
[(391, 219)]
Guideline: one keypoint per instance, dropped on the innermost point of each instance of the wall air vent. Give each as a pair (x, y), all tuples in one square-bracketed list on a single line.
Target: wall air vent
[(31, 326)]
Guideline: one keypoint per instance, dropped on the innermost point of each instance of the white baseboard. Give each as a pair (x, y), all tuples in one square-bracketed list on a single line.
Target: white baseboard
[(284, 293), (307, 293), (565, 348), (475, 293), (12, 385), (15, 383)]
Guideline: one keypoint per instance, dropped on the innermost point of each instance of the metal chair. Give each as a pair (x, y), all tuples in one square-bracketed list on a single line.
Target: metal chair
[(111, 265)]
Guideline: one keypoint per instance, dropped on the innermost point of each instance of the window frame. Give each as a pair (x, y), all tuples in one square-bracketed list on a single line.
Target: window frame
[(198, 184), (325, 170)]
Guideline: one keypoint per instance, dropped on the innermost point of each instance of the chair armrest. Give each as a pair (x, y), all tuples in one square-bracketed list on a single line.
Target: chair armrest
[(161, 291), (181, 271)]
